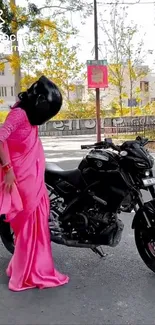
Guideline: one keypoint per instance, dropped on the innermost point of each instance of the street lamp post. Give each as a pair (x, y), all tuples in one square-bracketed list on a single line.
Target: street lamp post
[(98, 117)]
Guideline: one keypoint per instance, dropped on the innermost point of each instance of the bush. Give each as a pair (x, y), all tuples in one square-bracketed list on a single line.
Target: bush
[(148, 109), (78, 110), (3, 115), (83, 110)]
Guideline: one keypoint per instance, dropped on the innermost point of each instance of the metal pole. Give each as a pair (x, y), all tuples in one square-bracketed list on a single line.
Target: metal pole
[(15, 50), (98, 118)]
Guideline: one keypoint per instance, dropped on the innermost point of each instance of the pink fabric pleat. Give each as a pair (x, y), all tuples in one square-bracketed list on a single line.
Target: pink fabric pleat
[(32, 264), (10, 203)]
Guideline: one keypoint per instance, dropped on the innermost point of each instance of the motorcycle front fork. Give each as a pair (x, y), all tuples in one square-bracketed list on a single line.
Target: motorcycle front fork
[(152, 191), (141, 206)]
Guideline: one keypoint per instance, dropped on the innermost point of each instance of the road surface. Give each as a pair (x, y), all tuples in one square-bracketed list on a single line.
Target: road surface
[(66, 149), (116, 290)]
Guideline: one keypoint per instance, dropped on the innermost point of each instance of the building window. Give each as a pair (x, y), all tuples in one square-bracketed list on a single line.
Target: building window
[(79, 92), (12, 91), (1, 72), (3, 91), (132, 102), (144, 86)]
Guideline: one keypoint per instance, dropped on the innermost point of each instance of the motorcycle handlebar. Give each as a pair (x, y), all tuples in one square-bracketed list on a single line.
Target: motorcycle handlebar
[(87, 146), (107, 144), (102, 145), (142, 141)]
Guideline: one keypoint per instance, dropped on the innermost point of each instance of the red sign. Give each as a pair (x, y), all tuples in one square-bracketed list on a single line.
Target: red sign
[(97, 76)]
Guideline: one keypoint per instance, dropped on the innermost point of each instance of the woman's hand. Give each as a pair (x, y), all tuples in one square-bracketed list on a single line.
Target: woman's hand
[(9, 180)]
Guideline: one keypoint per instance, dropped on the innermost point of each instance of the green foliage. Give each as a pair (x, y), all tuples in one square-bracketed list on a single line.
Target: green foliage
[(7, 16), (49, 54), (43, 23), (3, 116), (83, 110), (148, 109), (124, 57), (29, 15)]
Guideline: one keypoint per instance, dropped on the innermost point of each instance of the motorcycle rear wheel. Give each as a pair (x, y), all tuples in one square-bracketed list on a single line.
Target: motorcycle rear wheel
[(146, 246)]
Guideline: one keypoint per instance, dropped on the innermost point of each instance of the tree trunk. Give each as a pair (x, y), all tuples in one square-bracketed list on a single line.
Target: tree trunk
[(17, 72), (131, 95), (120, 101)]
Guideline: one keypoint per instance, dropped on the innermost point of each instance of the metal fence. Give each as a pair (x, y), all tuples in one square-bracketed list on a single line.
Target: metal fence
[(128, 129)]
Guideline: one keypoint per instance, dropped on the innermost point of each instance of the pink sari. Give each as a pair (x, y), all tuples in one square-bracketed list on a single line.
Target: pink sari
[(10, 204), (32, 263)]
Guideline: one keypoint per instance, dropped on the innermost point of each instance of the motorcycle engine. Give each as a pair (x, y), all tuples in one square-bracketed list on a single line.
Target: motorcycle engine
[(85, 224)]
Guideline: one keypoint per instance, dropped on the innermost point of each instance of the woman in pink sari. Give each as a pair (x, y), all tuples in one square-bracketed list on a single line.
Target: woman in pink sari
[(23, 165)]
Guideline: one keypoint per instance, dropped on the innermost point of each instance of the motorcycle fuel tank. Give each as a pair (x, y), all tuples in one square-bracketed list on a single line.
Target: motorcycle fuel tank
[(102, 159)]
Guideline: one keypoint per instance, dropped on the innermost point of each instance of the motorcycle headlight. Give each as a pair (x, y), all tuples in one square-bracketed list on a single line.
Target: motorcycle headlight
[(147, 173)]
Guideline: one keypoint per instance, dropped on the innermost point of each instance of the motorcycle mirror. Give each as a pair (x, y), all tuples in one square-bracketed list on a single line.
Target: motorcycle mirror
[(108, 140)]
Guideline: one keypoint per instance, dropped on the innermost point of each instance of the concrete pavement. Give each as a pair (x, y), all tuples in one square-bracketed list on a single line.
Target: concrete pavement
[(116, 290), (67, 149)]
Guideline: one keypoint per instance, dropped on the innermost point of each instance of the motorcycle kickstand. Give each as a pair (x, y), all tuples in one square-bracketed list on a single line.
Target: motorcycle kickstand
[(99, 251)]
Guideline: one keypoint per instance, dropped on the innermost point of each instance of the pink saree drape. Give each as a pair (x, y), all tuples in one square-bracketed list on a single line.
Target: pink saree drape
[(10, 204), (27, 210)]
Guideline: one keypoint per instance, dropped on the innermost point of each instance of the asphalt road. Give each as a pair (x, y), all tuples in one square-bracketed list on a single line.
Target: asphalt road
[(116, 290)]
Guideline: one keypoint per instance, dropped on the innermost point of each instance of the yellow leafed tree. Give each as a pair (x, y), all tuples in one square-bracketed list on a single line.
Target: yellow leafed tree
[(17, 17), (125, 56), (116, 78), (50, 54)]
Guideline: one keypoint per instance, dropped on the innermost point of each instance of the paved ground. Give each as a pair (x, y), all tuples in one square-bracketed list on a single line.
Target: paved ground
[(117, 290), (66, 149)]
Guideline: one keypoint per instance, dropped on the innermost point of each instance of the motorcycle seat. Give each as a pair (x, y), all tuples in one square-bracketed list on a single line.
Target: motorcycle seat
[(51, 168), (53, 171)]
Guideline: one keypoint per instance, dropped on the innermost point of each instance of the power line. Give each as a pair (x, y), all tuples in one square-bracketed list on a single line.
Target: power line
[(127, 3)]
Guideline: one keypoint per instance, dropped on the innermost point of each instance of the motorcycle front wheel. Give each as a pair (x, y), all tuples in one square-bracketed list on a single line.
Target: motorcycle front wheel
[(145, 242)]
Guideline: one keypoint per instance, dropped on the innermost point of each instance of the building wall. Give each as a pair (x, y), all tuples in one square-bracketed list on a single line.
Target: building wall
[(107, 95), (141, 83), (7, 87), (81, 91), (110, 126), (78, 93)]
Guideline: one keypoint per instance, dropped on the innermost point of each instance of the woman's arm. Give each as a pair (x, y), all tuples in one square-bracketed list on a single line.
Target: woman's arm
[(3, 157), (14, 120), (9, 178)]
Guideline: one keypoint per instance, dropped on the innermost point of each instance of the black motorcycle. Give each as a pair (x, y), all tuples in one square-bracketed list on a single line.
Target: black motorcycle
[(86, 201)]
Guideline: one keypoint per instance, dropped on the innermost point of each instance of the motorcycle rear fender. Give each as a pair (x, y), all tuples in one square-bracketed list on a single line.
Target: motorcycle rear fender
[(148, 208)]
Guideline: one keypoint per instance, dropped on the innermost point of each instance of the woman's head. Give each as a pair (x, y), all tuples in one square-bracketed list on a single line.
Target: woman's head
[(42, 101)]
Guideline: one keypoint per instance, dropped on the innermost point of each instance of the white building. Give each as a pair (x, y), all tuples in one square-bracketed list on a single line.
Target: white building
[(145, 84), (81, 91), (7, 88)]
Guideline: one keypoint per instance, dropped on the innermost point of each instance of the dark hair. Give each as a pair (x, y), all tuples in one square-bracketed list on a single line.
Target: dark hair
[(41, 102)]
